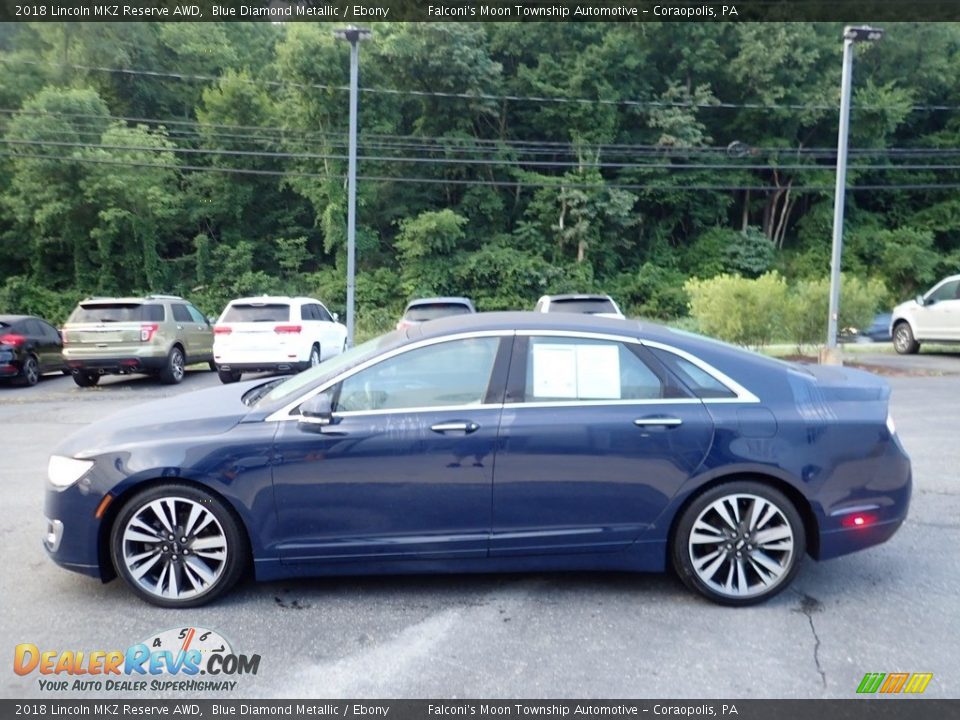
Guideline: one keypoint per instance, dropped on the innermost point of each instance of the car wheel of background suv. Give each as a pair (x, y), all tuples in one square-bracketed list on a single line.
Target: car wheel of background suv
[(228, 376), (903, 341), (84, 378), (173, 371)]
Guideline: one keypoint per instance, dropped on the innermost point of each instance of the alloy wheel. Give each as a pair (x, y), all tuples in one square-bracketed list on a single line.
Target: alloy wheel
[(174, 548), (31, 371), (741, 546)]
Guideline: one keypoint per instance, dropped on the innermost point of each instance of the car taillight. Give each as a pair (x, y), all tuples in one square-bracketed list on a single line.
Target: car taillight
[(12, 339), (287, 329), (222, 330), (147, 331)]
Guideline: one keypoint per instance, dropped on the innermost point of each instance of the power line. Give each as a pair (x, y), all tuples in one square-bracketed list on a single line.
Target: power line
[(469, 161), (473, 96), (558, 183)]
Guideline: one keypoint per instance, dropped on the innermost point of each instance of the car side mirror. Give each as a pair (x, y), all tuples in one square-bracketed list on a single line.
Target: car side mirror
[(316, 413), (335, 316), (920, 301), (211, 320)]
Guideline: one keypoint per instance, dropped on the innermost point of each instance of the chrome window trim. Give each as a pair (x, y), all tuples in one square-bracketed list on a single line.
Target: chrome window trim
[(283, 414), (742, 394)]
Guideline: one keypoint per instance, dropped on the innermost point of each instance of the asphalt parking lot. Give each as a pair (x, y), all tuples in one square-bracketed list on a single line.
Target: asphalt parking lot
[(892, 608)]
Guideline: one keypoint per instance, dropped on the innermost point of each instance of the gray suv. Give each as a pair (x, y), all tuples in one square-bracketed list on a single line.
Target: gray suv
[(156, 335)]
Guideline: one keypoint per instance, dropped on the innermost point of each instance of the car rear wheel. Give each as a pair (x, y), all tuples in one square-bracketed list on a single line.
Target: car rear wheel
[(903, 340), (173, 371), (228, 376), (314, 356), (84, 378), (177, 546), (739, 543), (30, 372)]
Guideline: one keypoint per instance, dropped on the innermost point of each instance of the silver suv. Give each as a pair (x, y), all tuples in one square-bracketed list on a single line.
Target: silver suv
[(157, 335)]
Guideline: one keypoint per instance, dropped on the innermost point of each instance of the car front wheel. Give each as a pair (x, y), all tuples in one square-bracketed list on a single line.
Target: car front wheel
[(739, 543), (177, 546), (228, 376), (903, 340)]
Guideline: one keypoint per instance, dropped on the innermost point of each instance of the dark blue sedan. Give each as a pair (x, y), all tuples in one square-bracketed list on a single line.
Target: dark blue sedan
[(490, 442)]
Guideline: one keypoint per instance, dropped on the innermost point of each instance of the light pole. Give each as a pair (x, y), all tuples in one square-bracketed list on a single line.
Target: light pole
[(353, 35), (851, 35)]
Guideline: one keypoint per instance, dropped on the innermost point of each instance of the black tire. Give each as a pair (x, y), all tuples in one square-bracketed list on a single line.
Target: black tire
[(212, 365), (29, 372), (903, 341), (173, 371), (738, 554), (228, 376), (315, 356), (226, 572), (85, 378)]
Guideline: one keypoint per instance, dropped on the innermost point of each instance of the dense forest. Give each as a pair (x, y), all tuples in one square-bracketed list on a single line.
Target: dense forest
[(499, 161)]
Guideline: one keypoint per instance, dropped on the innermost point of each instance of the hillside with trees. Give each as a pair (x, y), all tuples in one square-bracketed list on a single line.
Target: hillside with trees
[(499, 161)]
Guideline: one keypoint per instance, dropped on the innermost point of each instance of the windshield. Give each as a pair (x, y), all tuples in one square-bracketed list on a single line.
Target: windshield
[(422, 313), (590, 306), (344, 360)]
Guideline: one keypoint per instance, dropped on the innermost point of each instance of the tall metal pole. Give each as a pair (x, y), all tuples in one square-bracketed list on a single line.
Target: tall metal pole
[(352, 183), (840, 195)]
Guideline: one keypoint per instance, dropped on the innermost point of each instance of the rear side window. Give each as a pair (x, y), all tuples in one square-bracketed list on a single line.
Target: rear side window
[(589, 306), (180, 313), (259, 312), (117, 312), (703, 384), (422, 313)]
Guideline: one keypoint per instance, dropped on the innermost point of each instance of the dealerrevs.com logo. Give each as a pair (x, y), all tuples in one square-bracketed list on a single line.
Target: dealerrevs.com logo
[(894, 683), (172, 660)]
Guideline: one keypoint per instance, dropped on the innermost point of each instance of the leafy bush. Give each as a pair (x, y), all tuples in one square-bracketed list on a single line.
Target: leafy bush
[(737, 309), (724, 250), (18, 295), (809, 303), (653, 291)]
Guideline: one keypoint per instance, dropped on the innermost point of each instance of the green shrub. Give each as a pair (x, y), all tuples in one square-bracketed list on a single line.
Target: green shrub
[(725, 250), (739, 310), (809, 302)]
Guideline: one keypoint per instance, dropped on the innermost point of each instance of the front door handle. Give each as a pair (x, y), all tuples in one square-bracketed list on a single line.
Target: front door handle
[(658, 422), (464, 427)]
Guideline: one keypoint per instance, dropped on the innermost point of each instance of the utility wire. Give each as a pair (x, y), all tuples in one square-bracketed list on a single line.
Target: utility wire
[(558, 183), (470, 95)]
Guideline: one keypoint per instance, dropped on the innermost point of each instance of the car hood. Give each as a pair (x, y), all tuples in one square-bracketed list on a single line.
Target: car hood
[(204, 412), (906, 305)]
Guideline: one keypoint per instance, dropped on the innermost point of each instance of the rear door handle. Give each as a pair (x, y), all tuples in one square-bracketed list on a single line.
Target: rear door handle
[(658, 422), (464, 427)]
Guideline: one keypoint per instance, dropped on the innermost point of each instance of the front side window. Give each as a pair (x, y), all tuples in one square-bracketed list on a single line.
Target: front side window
[(947, 291), (565, 369), (449, 373), (196, 315)]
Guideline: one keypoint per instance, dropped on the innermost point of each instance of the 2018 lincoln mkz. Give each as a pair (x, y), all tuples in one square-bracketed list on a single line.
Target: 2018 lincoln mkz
[(489, 442)]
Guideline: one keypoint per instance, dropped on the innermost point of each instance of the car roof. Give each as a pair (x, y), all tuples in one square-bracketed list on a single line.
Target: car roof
[(438, 300), (578, 296), (16, 318), (127, 300), (257, 299)]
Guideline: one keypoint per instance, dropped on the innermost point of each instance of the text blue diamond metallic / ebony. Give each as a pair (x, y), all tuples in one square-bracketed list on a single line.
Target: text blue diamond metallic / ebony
[(490, 442)]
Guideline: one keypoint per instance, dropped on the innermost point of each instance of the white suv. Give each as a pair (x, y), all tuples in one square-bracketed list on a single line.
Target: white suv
[(259, 334), (934, 317)]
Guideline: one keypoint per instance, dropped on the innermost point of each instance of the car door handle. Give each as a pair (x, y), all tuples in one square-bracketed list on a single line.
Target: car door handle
[(658, 422), (464, 427)]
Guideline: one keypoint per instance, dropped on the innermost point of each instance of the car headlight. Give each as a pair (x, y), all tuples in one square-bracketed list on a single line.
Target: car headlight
[(64, 471)]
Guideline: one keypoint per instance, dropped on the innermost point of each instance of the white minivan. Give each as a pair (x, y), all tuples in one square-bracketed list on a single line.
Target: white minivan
[(274, 333)]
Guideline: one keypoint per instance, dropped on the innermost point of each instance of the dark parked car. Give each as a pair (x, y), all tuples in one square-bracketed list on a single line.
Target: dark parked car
[(29, 347), (490, 442), (877, 331)]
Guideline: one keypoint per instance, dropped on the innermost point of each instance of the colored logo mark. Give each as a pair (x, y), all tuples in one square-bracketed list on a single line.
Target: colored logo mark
[(891, 683)]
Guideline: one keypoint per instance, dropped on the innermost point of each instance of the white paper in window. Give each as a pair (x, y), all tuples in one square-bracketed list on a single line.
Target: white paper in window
[(598, 372), (554, 371)]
